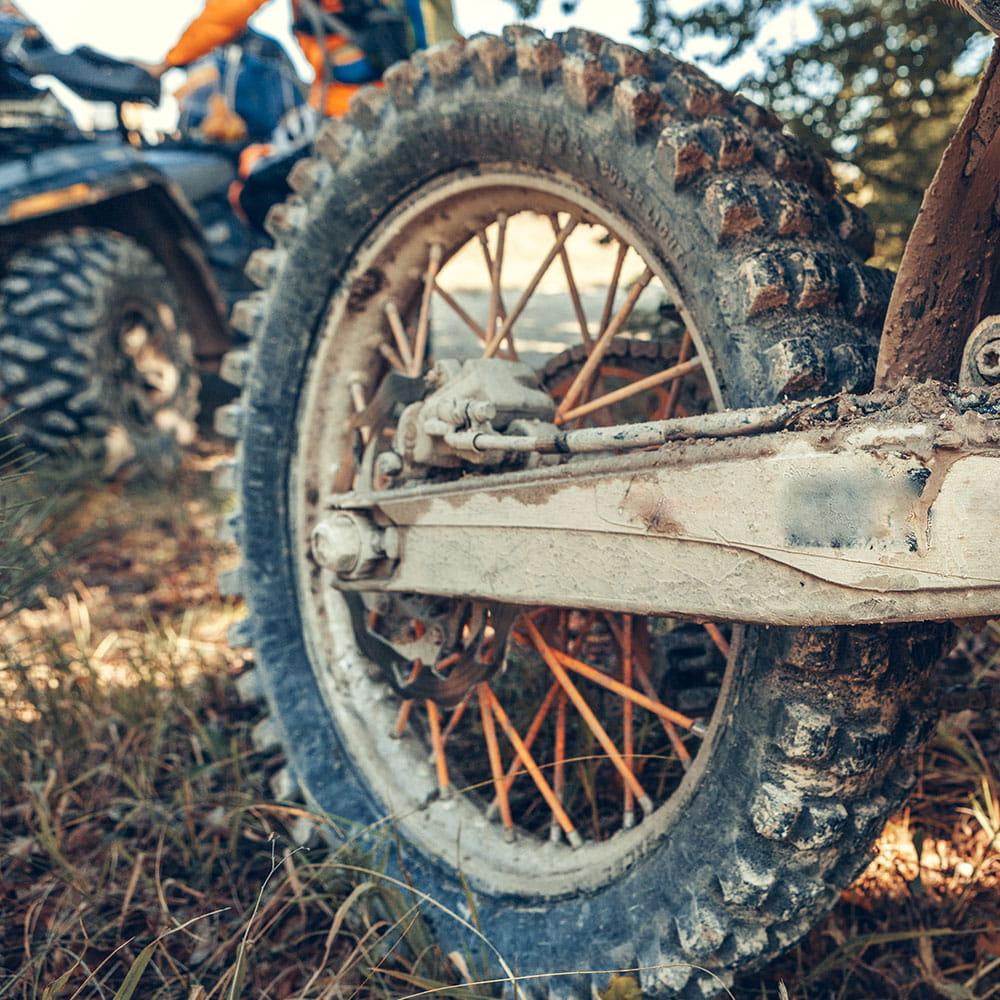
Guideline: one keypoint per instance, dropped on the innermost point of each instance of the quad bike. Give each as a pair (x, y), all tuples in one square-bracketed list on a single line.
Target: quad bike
[(118, 262), (611, 590)]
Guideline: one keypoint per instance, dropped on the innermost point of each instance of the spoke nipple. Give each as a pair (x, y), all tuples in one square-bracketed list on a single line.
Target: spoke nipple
[(628, 820), (509, 834), (699, 729), (555, 833), (575, 840), (492, 813), (446, 792), (647, 805)]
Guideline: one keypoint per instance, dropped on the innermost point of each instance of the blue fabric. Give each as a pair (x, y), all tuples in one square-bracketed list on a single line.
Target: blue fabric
[(417, 20), (357, 71), (257, 79)]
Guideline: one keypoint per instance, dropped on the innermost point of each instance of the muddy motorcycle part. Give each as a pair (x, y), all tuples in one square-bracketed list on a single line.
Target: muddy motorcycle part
[(761, 761), (949, 278), (94, 349)]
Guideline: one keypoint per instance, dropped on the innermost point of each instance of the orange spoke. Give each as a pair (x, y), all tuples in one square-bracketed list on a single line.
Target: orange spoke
[(399, 335), (576, 645), (501, 310), (404, 710), (559, 775), (609, 301), (553, 658), (536, 724), (456, 717), (360, 405), (642, 661), (493, 751), (456, 307), (440, 764), (511, 319), (600, 347), (574, 293), (687, 345), (424, 319), (683, 754), (651, 704), (403, 717), (634, 388), (611, 620), (480, 333), (628, 818), (533, 769), (717, 637), (392, 357), (496, 265), (484, 243)]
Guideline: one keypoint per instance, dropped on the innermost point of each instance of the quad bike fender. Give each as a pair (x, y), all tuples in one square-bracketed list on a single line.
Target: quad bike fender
[(117, 190), (949, 278)]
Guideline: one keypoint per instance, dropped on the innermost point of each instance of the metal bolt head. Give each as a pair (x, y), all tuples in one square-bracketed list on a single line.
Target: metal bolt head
[(988, 360), (481, 411), (389, 464), (336, 544)]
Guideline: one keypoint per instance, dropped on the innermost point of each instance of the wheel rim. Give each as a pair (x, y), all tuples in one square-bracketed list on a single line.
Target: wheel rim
[(594, 734), (148, 375)]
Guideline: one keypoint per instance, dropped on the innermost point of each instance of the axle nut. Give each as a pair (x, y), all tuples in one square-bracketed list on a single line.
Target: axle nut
[(351, 545), (336, 543)]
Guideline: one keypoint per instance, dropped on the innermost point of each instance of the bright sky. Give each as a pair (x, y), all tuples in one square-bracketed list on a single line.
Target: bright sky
[(145, 30)]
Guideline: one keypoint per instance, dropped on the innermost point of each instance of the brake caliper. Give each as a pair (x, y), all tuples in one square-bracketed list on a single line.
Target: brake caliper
[(482, 395)]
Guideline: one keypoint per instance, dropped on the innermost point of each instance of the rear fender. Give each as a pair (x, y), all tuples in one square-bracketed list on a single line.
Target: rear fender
[(949, 278)]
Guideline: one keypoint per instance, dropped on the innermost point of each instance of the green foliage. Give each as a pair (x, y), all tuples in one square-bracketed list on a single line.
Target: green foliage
[(878, 91)]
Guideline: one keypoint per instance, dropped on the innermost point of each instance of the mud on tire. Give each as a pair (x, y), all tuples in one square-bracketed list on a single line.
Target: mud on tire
[(807, 744), (94, 348)]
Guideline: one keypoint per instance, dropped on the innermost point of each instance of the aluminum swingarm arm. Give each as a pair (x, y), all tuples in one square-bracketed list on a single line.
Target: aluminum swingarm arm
[(846, 511)]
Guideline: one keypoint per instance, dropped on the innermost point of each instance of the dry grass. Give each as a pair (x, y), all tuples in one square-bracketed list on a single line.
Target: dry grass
[(138, 834), (141, 849), (923, 921)]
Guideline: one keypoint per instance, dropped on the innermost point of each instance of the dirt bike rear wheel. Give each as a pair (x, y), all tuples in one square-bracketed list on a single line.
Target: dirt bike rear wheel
[(718, 842)]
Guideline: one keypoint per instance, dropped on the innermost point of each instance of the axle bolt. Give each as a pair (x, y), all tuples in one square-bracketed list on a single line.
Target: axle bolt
[(336, 543), (351, 545), (988, 360)]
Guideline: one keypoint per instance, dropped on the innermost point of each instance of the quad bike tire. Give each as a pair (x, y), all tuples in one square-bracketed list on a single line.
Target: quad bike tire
[(94, 350), (809, 744)]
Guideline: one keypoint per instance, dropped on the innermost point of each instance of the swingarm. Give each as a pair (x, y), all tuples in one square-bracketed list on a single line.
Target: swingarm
[(851, 509)]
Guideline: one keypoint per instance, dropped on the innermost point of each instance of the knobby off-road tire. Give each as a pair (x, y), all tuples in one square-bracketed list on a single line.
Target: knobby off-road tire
[(93, 348), (806, 751)]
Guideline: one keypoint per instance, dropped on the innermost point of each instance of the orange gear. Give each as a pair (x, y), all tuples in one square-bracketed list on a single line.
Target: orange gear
[(223, 20)]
